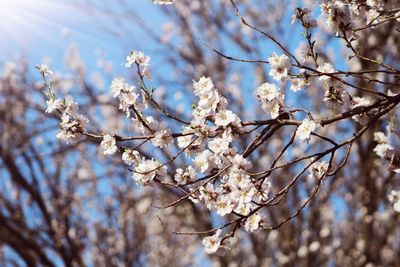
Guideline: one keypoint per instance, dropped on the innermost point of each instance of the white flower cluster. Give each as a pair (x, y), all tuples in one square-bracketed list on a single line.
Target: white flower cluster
[(335, 94), (235, 191), (141, 60), (71, 122), (305, 129), (280, 66), (211, 105), (211, 108), (54, 104), (130, 156), (185, 177), (137, 57), (147, 170), (339, 16), (125, 93), (375, 8), (271, 99), (383, 144), (109, 144)]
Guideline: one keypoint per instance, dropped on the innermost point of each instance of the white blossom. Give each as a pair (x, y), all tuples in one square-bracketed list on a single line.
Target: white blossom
[(202, 86), (318, 169), (185, 140), (271, 99), (208, 103), (267, 91), (45, 70), (305, 128), (130, 156), (218, 145), (280, 66), (202, 161), (162, 138), (380, 137), (326, 68), (118, 86), (212, 243), (137, 57), (109, 145), (381, 149), (54, 104), (184, 177), (147, 170), (224, 205), (126, 101), (383, 144), (252, 223), (226, 117)]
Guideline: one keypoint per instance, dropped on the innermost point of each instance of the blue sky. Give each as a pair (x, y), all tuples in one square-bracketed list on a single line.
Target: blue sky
[(43, 29)]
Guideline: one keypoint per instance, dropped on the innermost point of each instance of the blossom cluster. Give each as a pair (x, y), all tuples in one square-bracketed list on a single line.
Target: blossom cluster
[(71, 121)]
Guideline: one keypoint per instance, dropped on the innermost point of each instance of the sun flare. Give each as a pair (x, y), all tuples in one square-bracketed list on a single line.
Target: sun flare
[(20, 20)]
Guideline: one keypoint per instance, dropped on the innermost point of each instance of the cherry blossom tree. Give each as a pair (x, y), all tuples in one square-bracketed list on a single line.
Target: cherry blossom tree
[(288, 158)]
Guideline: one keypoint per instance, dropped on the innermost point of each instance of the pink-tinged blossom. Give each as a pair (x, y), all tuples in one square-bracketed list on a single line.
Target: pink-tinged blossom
[(209, 195)]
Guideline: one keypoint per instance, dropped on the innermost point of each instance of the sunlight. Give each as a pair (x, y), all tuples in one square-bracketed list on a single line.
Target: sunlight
[(23, 22), (20, 17)]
